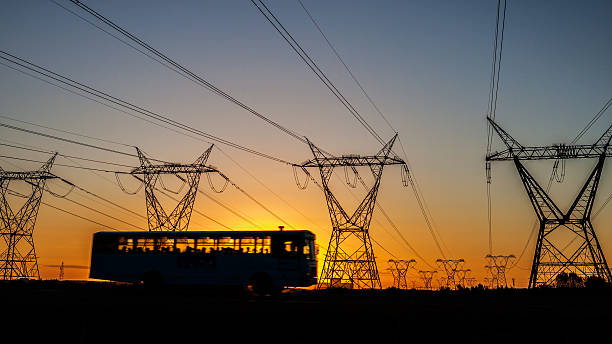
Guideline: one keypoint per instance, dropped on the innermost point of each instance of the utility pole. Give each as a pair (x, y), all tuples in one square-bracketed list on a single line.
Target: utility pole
[(349, 259), (399, 270), (17, 253), (149, 174), (553, 255)]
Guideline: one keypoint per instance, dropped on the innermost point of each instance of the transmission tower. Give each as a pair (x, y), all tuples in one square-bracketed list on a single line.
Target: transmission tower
[(427, 276), (497, 266), (450, 267), (61, 272), (178, 219), (18, 255), (461, 276), (488, 282), (470, 282), (399, 270), (566, 240), (344, 265)]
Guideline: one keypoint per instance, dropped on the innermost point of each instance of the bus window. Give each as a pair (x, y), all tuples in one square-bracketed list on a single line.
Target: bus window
[(262, 245), (105, 245), (122, 244), (185, 244), (226, 244), (309, 250), (205, 244), (289, 248), (140, 245), (149, 244), (165, 244), (247, 245)]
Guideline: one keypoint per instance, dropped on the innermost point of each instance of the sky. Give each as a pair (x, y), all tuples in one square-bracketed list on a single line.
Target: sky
[(425, 64)]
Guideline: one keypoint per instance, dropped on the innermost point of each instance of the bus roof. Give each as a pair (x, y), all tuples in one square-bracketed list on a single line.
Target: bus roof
[(211, 233)]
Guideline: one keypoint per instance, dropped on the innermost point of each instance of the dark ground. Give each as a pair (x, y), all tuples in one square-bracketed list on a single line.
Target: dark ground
[(105, 312)]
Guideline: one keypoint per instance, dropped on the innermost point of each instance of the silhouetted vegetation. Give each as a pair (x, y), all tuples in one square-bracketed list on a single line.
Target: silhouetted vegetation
[(572, 280)]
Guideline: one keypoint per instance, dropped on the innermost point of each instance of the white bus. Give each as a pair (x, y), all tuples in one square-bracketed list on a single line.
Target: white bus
[(265, 260)]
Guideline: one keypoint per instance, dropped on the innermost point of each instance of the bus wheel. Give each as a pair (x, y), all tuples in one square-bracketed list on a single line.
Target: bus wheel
[(262, 284), (152, 279)]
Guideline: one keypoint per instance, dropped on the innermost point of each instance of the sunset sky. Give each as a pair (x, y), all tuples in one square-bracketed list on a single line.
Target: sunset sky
[(425, 64)]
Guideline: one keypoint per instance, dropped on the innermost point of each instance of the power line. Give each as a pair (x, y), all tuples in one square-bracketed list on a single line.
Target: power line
[(415, 187), (71, 166), (397, 229), (578, 136), (102, 213), (63, 155), (315, 68), (133, 155), (65, 131), (192, 76), (346, 66), (492, 106), (265, 186), (194, 210), (119, 102), (592, 121), (72, 185), (15, 193)]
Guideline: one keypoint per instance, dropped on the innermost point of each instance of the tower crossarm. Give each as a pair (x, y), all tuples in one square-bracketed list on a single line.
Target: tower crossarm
[(352, 160), (26, 176), (554, 152), (515, 150), (173, 169), (178, 219)]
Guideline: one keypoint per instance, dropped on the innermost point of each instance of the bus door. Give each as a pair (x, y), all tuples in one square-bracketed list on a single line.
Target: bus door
[(288, 254)]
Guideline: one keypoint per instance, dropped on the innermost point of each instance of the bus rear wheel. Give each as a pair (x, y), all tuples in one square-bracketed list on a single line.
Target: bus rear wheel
[(152, 279), (263, 284)]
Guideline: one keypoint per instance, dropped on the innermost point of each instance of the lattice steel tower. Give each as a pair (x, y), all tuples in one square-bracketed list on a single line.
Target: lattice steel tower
[(178, 219), (399, 270), (497, 266), (461, 275), (566, 240), (427, 276), (344, 265), (450, 268), (17, 254)]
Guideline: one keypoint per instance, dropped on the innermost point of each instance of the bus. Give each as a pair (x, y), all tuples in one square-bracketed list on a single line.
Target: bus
[(265, 260)]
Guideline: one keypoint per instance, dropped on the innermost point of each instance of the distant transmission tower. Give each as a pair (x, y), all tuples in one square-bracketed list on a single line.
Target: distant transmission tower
[(427, 276), (17, 253), (461, 276), (61, 272), (497, 266), (566, 240), (399, 270), (470, 282), (450, 267), (178, 219), (346, 265)]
